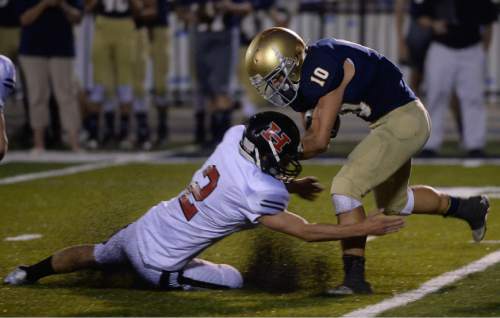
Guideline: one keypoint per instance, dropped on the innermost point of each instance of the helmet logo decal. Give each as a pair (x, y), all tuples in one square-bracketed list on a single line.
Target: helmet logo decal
[(277, 137)]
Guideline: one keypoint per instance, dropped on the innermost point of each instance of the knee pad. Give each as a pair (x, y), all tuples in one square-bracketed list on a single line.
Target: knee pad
[(97, 94), (125, 94), (344, 203), (410, 203)]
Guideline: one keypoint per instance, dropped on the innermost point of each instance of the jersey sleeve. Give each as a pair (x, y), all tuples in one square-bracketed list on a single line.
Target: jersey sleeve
[(266, 203), (322, 72)]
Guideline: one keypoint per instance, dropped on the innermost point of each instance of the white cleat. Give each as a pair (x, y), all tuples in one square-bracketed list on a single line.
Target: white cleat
[(19, 276)]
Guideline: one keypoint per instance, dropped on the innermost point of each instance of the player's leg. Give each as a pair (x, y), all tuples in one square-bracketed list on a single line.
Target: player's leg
[(223, 55), (440, 73), (160, 42), (61, 70), (140, 106), (68, 260), (389, 146), (36, 70), (126, 46), (470, 91), (103, 83)]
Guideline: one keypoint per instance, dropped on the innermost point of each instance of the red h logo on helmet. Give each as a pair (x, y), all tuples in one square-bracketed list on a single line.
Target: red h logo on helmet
[(276, 136)]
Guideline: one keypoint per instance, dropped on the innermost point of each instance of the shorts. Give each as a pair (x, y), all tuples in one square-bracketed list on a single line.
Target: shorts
[(382, 160)]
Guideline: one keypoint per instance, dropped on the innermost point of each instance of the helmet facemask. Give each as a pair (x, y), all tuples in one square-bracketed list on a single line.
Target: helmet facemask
[(277, 87)]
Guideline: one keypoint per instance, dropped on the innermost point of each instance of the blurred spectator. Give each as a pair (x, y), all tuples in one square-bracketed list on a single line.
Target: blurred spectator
[(155, 42), (412, 49), (216, 43), (46, 56), (462, 32), (9, 29), (265, 13), (148, 14), (113, 57), (7, 86)]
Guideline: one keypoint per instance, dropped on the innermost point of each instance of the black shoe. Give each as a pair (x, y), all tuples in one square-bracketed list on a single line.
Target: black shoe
[(427, 153), (476, 153), (361, 288), (474, 211)]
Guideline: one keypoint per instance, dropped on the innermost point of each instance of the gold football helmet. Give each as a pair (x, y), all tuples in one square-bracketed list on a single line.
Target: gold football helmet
[(273, 61)]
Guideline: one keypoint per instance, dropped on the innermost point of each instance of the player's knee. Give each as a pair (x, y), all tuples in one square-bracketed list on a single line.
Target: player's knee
[(125, 94), (97, 94), (345, 203)]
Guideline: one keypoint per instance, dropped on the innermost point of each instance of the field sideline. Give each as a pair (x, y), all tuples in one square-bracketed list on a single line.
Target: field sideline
[(284, 276)]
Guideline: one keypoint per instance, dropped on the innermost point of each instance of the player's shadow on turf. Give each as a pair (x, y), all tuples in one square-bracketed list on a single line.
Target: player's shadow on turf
[(277, 267)]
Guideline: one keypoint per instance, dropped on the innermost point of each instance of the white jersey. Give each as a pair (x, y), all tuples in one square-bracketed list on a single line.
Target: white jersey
[(228, 194), (7, 79)]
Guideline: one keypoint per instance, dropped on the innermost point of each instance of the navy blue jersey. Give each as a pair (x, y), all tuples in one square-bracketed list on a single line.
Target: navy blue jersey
[(9, 16), (377, 86)]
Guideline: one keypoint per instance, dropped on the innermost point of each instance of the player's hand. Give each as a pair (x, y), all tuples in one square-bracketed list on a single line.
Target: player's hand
[(439, 27), (307, 188), (380, 224)]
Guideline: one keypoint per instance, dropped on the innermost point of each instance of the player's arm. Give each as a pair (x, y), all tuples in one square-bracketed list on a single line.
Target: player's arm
[(74, 15), (294, 225), (4, 142), (145, 9), (89, 5), (317, 137)]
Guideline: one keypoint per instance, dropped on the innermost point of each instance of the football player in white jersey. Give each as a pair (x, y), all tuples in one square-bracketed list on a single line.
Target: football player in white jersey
[(241, 184), (7, 85)]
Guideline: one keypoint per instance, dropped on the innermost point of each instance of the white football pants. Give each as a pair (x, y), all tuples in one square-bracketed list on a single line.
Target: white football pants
[(463, 71)]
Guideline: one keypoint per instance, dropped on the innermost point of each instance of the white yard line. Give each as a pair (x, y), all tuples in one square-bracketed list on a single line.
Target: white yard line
[(56, 172), (428, 287), (23, 237)]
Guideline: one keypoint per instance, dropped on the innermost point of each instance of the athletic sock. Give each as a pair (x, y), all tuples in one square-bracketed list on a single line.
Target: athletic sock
[(109, 122), (124, 126), (93, 125), (162, 122), (39, 270), (354, 268), (453, 207), (142, 127), (199, 133)]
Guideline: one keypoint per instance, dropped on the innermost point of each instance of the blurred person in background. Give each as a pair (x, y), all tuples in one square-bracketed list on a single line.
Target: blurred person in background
[(154, 40), (114, 60), (149, 12), (7, 86), (412, 49), (462, 32), (216, 42), (46, 55), (264, 13)]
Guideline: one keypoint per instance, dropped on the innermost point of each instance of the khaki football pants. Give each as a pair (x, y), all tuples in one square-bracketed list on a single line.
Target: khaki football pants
[(382, 160)]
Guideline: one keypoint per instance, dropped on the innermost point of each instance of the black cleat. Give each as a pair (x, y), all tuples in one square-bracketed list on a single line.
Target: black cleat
[(354, 279), (474, 211)]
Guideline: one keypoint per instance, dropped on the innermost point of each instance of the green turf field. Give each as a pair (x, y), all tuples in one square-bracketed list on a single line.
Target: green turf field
[(284, 276)]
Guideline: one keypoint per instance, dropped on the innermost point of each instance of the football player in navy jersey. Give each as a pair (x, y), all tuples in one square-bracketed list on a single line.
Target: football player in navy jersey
[(331, 77), (241, 185)]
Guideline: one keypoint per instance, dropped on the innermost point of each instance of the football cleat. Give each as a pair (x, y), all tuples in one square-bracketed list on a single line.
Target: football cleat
[(18, 276), (475, 212), (363, 288)]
